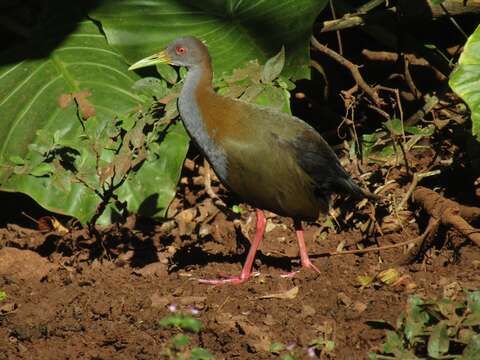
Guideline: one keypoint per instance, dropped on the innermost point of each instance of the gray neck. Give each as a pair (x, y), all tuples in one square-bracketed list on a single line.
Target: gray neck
[(188, 105), (192, 119)]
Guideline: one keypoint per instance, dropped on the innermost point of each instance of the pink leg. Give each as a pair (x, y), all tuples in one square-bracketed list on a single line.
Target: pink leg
[(306, 263), (304, 258), (247, 267)]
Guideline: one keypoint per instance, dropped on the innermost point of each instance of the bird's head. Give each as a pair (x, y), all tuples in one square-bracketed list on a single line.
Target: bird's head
[(185, 51)]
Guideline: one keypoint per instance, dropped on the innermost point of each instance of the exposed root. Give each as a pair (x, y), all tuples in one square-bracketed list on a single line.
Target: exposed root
[(416, 178), (421, 243), (436, 205), (444, 212)]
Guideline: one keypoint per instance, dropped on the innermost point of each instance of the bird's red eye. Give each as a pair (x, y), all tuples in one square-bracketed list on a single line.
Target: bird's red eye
[(180, 50)]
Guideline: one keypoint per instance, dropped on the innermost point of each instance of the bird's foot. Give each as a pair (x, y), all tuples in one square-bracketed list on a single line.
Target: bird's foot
[(227, 279), (290, 274), (305, 264)]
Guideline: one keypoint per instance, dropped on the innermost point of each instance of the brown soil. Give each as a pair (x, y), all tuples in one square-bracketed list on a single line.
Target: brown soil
[(71, 296)]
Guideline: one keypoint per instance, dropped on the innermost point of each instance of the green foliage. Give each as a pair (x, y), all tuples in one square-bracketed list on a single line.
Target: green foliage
[(384, 145), (236, 31), (262, 85), (277, 348), (434, 329), (321, 344), (178, 346), (465, 80), (184, 322), (281, 350), (3, 295), (237, 209), (79, 137)]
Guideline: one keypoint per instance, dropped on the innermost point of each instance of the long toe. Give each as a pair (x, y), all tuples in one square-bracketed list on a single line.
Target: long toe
[(308, 264), (225, 279), (305, 265), (289, 274)]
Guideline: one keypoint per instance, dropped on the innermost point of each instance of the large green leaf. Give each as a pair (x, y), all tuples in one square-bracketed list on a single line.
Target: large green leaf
[(465, 80), (61, 141), (235, 30)]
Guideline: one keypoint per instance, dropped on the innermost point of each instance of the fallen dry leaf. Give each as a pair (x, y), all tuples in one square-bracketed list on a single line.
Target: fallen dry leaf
[(58, 227), (288, 295), (388, 276), (365, 280), (359, 306), (185, 221), (344, 299), (50, 223), (8, 308)]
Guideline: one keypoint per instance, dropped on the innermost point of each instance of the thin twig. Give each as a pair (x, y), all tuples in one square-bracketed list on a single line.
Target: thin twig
[(405, 159), (409, 79), (372, 4), (430, 103), (453, 21), (345, 22), (356, 17), (374, 249), (393, 57), (353, 70), (339, 37), (380, 111)]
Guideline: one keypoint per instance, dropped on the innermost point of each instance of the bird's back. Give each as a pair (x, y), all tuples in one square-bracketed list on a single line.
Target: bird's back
[(273, 160)]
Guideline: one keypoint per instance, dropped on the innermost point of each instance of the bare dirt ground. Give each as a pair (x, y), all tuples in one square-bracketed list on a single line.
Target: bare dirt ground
[(74, 296)]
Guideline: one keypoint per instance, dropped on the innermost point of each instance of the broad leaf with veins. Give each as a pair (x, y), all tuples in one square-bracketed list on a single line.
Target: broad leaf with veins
[(59, 114), (235, 31)]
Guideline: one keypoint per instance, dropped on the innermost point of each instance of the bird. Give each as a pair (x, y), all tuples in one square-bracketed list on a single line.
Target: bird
[(270, 159)]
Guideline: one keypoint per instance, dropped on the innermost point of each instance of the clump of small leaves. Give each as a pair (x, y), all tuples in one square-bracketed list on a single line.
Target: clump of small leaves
[(282, 350), (321, 345), (179, 346), (441, 329), (387, 144), (3, 295)]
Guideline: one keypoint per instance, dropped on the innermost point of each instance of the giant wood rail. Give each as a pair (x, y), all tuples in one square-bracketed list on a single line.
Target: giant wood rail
[(272, 160)]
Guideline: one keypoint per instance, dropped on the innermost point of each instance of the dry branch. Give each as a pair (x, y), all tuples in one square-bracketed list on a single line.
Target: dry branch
[(394, 57), (408, 9), (428, 9), (372, 93)]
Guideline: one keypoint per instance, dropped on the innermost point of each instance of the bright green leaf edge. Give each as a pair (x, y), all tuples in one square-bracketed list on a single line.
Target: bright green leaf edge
[(465, 80)]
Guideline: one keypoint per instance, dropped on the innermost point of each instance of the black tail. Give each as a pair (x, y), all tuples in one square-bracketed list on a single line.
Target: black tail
[(346, 186)]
